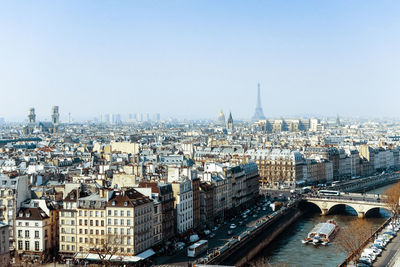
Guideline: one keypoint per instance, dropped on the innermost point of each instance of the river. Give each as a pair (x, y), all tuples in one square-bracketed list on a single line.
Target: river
[(288, 250)]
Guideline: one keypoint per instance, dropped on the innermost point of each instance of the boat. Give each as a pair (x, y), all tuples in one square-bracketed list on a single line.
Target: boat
[(322, 233)]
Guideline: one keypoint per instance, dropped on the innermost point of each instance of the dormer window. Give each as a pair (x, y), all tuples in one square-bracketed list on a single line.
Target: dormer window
[(126, 203), (21, 214), (113, 203), (28, 214)]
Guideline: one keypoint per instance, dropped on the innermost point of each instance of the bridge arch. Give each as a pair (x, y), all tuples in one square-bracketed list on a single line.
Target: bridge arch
[(374, 210), (336, 206), (307, 205)]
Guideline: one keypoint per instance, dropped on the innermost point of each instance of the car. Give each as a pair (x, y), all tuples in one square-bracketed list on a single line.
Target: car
[(254, 215), (230, 232), (212, 235), (241, 223), (232, 226)]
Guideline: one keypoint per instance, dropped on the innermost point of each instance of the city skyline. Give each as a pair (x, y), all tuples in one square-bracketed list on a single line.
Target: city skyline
[(189, 60)]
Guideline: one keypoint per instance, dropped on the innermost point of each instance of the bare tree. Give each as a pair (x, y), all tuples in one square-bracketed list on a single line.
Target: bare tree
[(391, 198), (108, 248), (352, 237)]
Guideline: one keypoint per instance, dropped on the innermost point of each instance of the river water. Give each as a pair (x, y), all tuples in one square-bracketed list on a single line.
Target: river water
[(288, 250)]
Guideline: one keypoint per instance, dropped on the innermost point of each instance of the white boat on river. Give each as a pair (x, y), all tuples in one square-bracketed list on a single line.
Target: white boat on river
[(322, 233)]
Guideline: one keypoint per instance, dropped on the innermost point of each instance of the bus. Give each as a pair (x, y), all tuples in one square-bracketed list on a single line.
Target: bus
[(197, 248), (329, 193)]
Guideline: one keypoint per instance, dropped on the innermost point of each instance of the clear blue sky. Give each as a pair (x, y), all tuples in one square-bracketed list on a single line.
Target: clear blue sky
[(192, 58)]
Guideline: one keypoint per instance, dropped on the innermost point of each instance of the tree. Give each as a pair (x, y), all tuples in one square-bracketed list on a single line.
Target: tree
[(391, 198), (108, 248), (352, 237)]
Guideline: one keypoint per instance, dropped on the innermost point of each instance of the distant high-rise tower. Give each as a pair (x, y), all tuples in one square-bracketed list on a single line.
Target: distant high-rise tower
[(221, 118), (31, 115), (258, 113), (229, 124), (338, 123), (55, 116)]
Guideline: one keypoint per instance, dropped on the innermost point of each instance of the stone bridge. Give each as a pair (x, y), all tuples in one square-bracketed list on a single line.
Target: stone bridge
[(362, 204)]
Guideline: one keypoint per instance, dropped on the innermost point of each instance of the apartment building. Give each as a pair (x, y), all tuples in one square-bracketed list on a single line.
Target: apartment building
[(68, 225), (4, 245), (130, 222), (34, 238), (13, 191)]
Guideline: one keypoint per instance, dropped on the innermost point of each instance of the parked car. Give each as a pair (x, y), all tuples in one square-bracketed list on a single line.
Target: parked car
[(230, 232), (232, 226)]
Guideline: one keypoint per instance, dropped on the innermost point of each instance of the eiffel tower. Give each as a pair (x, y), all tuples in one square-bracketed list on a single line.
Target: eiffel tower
[(258, 113)]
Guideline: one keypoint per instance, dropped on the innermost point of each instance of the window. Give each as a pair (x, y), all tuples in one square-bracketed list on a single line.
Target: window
[(80, 213), (115, 221), (122, 221), (36, 234), (115, 213), (109, 230), (91, 213), (80, 239), (122, 213), (26, 233), (62, 222), (102, 214), (80, 221), (37, 245), (128, 213), (62, 238), (109, 212), (102, 223), (97, 213), (109, 221), (20, 233), (26, 245), (97, 222), (80, 231), (128, 222), (85, 213), (122, 231), (91, 222)]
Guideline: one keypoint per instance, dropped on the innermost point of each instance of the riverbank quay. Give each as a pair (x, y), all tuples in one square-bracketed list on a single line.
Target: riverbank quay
[(349, 260), (239, 251), (368, 183)]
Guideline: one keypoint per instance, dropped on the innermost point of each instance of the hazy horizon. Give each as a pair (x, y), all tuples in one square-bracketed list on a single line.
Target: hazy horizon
[(187, 59)]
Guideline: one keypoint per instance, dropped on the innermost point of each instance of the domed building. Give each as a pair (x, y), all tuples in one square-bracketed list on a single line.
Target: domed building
[(221, 118)]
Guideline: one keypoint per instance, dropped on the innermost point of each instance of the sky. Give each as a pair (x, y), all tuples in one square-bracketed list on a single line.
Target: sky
[(190, 59)]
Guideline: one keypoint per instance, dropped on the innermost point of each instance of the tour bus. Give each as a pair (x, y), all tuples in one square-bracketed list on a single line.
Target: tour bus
[(197, 248), (329, 193)]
